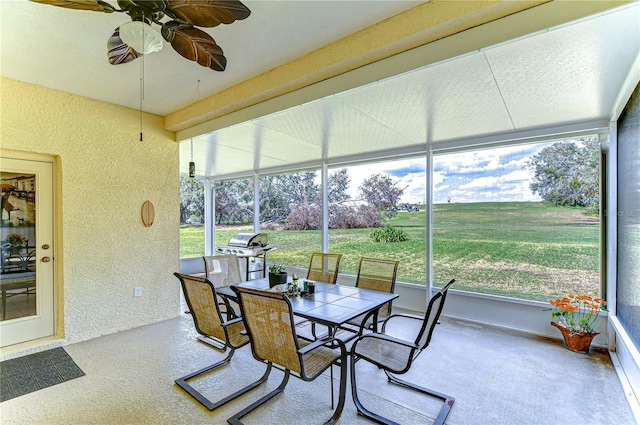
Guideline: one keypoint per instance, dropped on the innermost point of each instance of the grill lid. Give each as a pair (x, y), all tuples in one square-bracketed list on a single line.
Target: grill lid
[(249, 240)]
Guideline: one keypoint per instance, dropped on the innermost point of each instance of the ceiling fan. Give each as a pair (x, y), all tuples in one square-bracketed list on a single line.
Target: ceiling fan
[(135, 38)]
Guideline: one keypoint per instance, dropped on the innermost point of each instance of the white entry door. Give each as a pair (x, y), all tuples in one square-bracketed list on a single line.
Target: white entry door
[(27, 257)]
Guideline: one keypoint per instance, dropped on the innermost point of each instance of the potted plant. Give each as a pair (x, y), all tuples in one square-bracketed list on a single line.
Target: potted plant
[(277, 274), (576, 317), (17, 241)]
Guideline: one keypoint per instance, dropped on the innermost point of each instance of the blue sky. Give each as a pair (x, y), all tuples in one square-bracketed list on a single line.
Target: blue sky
[(488, 175)]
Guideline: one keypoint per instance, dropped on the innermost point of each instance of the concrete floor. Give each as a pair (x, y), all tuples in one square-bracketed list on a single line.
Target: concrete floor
[(497, 377)]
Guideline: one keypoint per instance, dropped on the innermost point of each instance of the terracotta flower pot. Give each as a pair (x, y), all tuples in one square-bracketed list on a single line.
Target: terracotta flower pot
[(578, 342)]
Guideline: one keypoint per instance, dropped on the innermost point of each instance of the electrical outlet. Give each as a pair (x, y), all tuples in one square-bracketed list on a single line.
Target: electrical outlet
[(137, 291)]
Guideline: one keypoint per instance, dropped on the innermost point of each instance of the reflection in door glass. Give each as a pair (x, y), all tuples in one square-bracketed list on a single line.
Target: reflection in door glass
[(18, 239)]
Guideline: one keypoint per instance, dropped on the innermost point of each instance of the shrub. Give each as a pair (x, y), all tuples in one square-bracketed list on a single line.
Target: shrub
[(309, 217), (388, 234), (270, 225), (369, 216), (304, 217)]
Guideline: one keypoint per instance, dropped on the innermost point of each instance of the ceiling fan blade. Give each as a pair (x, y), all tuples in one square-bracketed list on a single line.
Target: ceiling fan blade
[(96, 5), (118, 52), (194, 44), (208, 13)]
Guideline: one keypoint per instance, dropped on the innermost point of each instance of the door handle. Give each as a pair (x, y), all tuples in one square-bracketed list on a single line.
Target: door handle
[(45, 259)]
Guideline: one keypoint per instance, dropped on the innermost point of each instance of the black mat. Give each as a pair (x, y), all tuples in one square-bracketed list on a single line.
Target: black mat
[(34, 372)]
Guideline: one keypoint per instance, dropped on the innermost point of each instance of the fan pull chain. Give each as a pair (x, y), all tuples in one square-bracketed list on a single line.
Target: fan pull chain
[(141, 86)]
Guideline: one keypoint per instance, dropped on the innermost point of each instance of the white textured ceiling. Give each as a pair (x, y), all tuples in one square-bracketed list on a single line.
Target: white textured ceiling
[(559, 77), (66, 49)]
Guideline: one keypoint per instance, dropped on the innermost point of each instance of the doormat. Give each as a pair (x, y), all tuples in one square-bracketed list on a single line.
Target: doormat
[(34, 372)]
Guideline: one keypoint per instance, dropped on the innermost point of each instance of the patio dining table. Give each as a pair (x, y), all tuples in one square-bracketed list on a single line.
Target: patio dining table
[(331, 305)]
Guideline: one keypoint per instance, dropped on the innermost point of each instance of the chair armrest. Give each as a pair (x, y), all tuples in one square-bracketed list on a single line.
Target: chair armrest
[(402, 315), (389, 338), (232, 321), (320, 342)]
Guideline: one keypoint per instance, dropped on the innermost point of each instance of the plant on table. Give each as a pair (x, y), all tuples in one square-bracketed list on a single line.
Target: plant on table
[(277, 269), (16, 239), (277, 275)]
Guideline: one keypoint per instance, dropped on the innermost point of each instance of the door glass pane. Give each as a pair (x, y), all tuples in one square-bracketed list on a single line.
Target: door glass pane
[(18, 238)]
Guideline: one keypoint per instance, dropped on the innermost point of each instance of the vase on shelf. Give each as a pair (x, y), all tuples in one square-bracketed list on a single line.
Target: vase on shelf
[(578, 342), (15, 249)]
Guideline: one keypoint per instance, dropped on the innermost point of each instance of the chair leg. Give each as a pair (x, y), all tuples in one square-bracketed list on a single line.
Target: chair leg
[(342, 392), (235, 419), (212, 405), (362, 411), (444, 411), (447, 401)]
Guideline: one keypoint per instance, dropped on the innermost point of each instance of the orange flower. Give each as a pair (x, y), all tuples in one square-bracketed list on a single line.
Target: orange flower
[(578, 313)]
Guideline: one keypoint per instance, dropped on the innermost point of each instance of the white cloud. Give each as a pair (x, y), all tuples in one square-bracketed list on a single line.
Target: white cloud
[(495, 174)]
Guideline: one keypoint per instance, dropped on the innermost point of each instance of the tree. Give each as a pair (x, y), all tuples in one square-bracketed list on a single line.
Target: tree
[(567, 173), (191, 200), (234, 201), (279, 193), (380, 191), (273, 205), (338, 185)]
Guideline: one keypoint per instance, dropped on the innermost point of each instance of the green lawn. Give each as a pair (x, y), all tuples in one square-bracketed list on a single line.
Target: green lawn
[(527, 250)]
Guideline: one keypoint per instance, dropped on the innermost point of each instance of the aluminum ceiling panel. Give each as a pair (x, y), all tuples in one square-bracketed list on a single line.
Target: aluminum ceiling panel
[(454, 99), (305, 122), (463, 100), (564, 76), (397, 103), (352, 132), (248, 146), (330, 123), (569, 74)]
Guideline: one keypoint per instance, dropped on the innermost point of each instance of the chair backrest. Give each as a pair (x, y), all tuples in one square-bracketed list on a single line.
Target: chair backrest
[(378, 275), (202, 300), (269, 322), (324, 267), (222, 270), (431, 316)]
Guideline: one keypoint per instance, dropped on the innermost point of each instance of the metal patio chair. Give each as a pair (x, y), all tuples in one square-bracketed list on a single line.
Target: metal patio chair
[(223, 270), (270, 325), (395, 356), (376, 275), (208, 319), (324, 267)]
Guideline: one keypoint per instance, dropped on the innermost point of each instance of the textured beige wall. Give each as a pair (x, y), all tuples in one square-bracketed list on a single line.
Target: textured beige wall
[(105, 174)]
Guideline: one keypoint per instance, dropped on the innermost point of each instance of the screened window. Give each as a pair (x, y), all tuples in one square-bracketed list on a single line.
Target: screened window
[(191, 217), (377, 210), (233, 208), (628, 271), (291, 214), (519, 221)]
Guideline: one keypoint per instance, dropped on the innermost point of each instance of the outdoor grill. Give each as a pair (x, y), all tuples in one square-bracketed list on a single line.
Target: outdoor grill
[(247, 245), (253, 247)]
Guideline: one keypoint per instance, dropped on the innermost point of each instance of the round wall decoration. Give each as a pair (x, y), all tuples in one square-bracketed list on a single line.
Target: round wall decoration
[(148, 213)]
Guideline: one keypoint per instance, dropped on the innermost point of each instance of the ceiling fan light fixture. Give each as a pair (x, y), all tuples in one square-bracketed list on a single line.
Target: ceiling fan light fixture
[(141, 37)]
